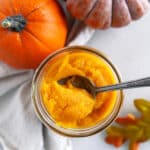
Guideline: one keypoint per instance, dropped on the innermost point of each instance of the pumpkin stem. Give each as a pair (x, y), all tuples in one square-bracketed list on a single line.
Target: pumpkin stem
[(14, 23)]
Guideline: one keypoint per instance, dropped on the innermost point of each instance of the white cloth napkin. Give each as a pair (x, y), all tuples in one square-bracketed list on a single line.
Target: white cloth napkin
[(19, 127)]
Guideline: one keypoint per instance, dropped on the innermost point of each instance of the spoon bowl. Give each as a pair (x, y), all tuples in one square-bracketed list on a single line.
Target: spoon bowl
[(80, 82)]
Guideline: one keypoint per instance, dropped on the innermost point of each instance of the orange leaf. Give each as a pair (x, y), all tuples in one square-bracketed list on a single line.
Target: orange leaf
[(134, 146), (116, 141), (128, 120)]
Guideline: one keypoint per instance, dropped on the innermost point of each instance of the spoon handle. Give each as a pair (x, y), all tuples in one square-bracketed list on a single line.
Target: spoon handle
[(126, 85)]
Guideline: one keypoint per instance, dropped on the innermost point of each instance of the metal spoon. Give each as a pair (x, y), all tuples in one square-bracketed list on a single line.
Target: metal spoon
[(87, 84)]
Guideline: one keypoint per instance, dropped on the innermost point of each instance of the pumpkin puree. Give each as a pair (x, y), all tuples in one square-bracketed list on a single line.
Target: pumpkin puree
[(72, 107)]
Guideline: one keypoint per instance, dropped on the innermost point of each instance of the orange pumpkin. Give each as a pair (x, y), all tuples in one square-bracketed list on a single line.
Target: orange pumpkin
[(30, 30)]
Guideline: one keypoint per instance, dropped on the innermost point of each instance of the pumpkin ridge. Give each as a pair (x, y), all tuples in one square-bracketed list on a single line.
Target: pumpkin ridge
[(105, 23), (42, 5), (91, 9), (24, 50), (12, 8), (35, 37), (128, 8), (112, 11), (12, 54), (33, 11), (139, 16), (121, 14)]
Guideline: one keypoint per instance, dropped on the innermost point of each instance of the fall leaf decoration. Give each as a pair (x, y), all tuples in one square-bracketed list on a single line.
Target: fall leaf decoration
[(135, 130)]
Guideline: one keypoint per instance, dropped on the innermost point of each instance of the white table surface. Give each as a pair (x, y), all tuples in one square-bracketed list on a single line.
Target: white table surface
[(129, 49)]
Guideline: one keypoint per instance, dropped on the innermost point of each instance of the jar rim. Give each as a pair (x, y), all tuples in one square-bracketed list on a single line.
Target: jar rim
[(46, 118)]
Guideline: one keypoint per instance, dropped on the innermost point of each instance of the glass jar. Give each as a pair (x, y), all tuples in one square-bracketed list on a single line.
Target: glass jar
[(45, 117)]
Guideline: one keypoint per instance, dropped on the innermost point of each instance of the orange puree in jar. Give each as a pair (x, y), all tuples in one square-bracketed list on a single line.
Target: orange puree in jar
[(71, 107)]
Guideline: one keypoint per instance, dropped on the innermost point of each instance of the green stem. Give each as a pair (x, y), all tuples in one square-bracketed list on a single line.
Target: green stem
[(14, 23)]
